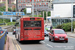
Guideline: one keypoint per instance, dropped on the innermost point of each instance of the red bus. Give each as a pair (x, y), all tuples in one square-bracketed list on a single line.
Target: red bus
[(29, 28)]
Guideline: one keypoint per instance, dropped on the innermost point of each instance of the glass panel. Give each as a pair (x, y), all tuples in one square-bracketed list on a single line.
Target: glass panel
[(32, 23), (59, 32)]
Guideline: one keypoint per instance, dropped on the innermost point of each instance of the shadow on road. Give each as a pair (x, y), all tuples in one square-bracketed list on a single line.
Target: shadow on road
[(30, 42), (59, 42)]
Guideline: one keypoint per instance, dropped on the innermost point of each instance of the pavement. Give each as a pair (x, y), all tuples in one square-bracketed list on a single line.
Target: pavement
[(10, 43), (70, 34)]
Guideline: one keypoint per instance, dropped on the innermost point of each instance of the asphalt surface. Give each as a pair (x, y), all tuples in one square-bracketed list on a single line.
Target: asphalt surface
[(44, 45)]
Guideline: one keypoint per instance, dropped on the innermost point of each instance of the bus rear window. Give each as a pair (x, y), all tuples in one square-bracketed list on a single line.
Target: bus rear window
[(32, 23)]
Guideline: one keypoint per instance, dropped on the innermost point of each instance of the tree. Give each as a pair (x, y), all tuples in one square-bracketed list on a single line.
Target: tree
[(9, 9), (44, 14), (25, 10), (49, 13), (2, 8), (0, 13)]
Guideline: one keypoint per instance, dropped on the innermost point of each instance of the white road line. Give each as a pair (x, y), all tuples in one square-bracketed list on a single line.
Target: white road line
[(46, 38), (49, 45), (42, 41)]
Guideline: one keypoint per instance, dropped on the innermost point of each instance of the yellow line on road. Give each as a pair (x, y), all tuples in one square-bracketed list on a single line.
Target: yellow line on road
[(17, 47)]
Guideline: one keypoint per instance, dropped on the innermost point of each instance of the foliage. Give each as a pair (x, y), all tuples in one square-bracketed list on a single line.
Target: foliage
[(5, 20), (66, 26), (2, 8), (45, 14), (9, 9), (1, 20), (25, 10), (39, 15), (49, 13), (3, 2), (0, 13), (11, 23), (12, 3), (36, 16), (59, 26)]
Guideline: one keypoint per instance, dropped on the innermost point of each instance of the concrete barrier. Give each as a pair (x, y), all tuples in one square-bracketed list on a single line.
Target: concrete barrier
[(2, 40)]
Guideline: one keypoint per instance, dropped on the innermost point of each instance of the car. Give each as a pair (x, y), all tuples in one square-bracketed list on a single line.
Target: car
[(58, 35), (45, 32), (47, 28), (1, 30)]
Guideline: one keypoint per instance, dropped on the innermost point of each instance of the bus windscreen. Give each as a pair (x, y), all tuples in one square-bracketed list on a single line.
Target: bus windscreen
[(32, 23)]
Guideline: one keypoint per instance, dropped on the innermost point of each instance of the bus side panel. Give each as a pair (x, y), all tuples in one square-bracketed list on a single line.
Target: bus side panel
[(21, 29), (42, 23)]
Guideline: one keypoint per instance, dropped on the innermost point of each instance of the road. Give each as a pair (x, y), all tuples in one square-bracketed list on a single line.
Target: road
[(44, 45)]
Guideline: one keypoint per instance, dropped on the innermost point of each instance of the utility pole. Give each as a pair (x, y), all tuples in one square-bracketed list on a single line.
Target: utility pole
[(16, 5), (6, 5), (72, 16), (37, 8), (32, 8)]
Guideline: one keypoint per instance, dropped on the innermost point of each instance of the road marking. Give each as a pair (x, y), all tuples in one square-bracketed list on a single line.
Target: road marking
[(42, 41), (46, 38), (49, 45), (17, 47)]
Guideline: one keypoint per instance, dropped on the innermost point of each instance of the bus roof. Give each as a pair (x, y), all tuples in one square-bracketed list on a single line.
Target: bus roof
[(32, 17), (27, 17)]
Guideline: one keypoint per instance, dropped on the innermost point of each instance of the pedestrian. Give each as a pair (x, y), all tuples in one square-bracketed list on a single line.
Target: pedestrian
[(51, 28)]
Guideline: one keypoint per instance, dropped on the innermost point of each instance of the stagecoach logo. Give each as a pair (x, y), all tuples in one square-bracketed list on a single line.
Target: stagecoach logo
[(38, 19)]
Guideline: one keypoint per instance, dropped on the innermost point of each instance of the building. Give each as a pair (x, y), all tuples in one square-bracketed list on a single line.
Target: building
[(2, 4), (9, 1), (1, 1), (62, 11), (39, 5)]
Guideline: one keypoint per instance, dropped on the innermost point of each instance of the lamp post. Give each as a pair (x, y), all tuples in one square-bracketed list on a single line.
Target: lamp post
[(16, 5), (32, 8), (72, 16), (6, 5)]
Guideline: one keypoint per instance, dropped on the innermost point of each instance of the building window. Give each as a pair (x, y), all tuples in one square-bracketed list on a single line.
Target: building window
[(44, 5)]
